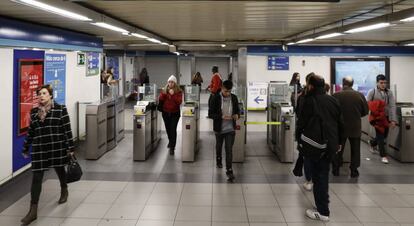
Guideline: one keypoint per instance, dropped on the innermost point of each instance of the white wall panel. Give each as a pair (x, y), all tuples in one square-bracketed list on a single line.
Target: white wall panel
[(6, 114), (402, 75), (205, 64), (185, 71), (160, 68)]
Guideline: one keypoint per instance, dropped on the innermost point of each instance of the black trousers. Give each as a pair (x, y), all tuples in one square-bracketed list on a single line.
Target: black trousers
[(355, 143), (171, 122), (320, 179), (380, 141), (38, 179), (228, 139)]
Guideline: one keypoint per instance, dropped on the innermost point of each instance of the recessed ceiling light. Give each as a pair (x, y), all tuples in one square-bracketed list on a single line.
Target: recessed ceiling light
[(53, 9), (139, 36), (409, 44), (290, 43), (223, 45), (368, 28), (305, 40), (154, 40), (110, 27), (409, 19)]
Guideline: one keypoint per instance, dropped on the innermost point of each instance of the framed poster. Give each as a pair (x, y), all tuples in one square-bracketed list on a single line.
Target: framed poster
[(30, 79), (113, 62), (55, 75), (92, 64)]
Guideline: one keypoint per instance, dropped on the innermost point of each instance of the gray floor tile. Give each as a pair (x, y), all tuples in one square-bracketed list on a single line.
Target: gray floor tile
[(55, 210), (111, 186), (132, 198), (257, 189), (286, 189), (189, 199), (403, 189), (265, 214), (408, 199), (389, 200), (286, 200), (198, 188), (229, 214), (357, 199), (228, 200), (168, 188), (229, 224), (154, 223), (260, 200), (139, 187), (401, 215), (113, 222), (83, 185), (85, 210), (345, 189), (43, 221), (99, 197), (268, 224), (193, 213), (342, 224), (234, 189), (342, 214), (372, 214), (164, 199), (376, 189), (314, 223), (124, 212), (295, 215), (192, 223), (160, 213), (80, 222)]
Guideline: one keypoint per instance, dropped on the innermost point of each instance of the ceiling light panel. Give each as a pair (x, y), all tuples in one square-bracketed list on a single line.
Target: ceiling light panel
[(53, 9), (110, 27), (336, 34), (305, 40), (368, 28)]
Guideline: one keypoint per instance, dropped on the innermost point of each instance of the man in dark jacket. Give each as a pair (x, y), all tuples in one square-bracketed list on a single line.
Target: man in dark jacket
[(353, 107), (224, 108), (329, 110)]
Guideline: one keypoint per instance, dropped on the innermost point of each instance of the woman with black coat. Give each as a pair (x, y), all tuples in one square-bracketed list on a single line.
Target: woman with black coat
[(50, 137)]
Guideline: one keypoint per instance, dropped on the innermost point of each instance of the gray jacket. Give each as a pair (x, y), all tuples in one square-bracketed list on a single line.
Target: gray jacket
[(388, 97)]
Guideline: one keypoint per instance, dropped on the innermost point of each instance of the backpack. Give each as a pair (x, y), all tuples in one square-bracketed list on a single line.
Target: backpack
[(312, 142)]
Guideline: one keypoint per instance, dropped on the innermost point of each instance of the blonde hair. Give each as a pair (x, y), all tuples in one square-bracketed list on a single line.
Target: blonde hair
[(176, 88)]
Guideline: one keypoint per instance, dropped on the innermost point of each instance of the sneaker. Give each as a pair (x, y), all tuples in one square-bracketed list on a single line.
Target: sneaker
[(384, 160), (373, 149), (315, 215), (308, 185), (230, 175)]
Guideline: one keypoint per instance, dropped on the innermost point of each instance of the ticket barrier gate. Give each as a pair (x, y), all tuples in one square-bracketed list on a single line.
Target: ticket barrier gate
[(145, 134), (282, 137), (401, 138), (96, 130), (240, 138), (190, 131)]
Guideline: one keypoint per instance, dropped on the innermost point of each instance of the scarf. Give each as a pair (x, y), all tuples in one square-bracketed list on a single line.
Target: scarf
[(44, 109)]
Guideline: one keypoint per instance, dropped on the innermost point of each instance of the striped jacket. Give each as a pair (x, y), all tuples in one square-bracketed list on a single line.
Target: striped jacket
[(50, 140)]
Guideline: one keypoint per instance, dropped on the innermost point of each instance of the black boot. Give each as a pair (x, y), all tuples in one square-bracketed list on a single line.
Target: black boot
[(31, 215), (354, 173), (219, 162), (171, 151), (335, 172), (230, 175), (63, 195)]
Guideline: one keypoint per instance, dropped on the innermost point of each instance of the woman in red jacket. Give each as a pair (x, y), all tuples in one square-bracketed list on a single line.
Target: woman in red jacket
[(170, 99)]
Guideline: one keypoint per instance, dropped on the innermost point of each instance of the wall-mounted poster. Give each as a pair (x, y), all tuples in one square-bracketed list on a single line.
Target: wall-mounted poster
[(92, 64), (55, 75), (113, 62), (257, 96), (30, 79)]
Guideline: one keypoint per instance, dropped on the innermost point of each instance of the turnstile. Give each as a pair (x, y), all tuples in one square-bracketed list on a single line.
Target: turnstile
[(96, 130), (283, 136), (120, 118), (240, 138), (401, 138), (190, 131), (111, 125), (142, 140)]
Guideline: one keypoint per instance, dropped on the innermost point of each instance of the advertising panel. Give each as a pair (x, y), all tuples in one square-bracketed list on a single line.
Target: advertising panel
[(30, 79), (55, 75), (93, 64), (257, 95)]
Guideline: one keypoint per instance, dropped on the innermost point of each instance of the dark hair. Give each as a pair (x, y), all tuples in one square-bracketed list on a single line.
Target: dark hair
[(228, 84), (215, 69), (316, 81), (381, 77), (48, 87), (308, 76), (109, 70), (346, 82), (293, 80)]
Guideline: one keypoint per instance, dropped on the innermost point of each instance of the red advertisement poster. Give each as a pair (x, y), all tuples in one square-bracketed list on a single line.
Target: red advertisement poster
[(31, 78)]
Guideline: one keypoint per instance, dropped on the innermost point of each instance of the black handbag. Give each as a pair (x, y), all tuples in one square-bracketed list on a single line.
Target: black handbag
[(74, 171), (160, 106), (312, 142)]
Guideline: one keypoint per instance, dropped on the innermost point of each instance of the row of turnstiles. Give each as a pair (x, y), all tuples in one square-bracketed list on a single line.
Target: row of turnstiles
[(104, 122)]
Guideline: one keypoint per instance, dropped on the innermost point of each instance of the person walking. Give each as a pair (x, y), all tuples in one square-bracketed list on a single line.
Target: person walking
[(171, 98), (297, 88), (197, 79), (353, 107), (50, 137), (320, 113), (381, 94), (215, 85), (224, 112)]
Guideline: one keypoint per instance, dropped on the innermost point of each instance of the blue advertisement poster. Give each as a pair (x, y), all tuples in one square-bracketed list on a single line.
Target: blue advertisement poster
[(55, 75), (278, 63), (113, 62), (93, 64)]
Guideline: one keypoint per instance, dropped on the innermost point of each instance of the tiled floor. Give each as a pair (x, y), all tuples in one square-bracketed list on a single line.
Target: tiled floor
[(164, 191)]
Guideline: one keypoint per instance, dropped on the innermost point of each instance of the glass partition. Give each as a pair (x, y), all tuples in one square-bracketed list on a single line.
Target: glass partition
[(240, 91), (279, 92), (191, 93), (148, 92)]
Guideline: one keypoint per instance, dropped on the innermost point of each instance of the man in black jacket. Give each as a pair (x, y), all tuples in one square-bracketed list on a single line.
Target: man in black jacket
[(224, 110), (329, 110), (353, 106)]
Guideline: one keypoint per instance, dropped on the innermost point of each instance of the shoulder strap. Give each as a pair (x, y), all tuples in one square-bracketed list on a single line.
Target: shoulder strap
[(373, 94)]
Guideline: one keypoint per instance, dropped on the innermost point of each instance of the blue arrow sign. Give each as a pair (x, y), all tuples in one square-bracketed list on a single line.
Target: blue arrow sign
[(257, 99)]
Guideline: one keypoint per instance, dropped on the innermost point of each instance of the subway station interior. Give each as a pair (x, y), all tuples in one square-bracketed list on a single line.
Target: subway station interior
[(110, 62)]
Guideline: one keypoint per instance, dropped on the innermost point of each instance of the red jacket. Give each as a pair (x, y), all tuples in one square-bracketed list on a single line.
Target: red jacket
[(171, 103), (215, 84), (377, 117)]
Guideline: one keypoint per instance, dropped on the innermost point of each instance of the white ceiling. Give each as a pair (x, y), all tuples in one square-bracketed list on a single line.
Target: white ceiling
[(220, 21)]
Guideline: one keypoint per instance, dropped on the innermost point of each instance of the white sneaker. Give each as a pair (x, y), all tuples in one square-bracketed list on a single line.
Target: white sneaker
[(315, 215), (384, 160), (308, 185)]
